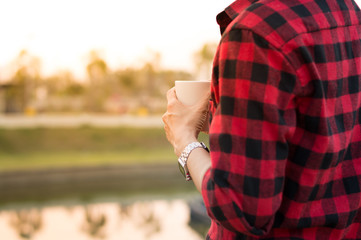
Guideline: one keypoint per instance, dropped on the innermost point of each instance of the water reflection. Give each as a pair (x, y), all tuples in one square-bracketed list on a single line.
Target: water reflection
[(95, 222), (136, 220), (26, 222), (143, 217)]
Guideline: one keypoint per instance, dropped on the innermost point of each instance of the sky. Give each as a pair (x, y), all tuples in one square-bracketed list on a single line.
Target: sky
[(63, 32)]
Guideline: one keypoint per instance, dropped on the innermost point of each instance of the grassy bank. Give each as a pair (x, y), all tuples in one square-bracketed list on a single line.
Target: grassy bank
[(83, 146)]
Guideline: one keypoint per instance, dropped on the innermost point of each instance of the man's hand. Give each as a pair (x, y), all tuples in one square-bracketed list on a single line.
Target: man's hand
[(182, 123)]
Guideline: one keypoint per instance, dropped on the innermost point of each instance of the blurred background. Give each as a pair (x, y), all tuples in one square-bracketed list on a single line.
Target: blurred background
[(83, 154)]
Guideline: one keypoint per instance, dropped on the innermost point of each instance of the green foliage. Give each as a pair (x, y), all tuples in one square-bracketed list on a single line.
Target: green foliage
[(97, 67), (74, 89), (169, 76), (121, 90), (80, 139), (127, 79), (84, 146)]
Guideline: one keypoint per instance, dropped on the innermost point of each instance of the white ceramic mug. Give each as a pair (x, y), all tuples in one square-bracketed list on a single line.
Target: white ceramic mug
[(190, 91)]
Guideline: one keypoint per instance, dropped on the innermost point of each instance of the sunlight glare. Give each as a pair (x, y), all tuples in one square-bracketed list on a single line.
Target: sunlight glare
[(61, 33)]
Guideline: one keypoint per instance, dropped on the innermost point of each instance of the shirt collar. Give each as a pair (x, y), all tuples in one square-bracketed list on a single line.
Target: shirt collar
[(231, 12)]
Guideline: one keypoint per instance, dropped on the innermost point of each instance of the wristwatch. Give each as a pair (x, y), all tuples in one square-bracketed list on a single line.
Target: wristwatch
[(182, 160)]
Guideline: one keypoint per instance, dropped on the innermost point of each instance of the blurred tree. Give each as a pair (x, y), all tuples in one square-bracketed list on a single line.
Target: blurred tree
[(74, 89), (150, 77), (127, 89), (62, 93), (140, 87), (26, 79), (153, 57), (97, 70), (203, 60), (59, 82), (150, 73), (127, 80), (169, 76)]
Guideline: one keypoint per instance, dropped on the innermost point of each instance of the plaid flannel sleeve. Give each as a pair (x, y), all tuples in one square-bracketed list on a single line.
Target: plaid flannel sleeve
[(253, 116)]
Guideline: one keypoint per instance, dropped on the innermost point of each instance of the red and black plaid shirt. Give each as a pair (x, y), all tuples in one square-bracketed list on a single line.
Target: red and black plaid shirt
[(285, 131)]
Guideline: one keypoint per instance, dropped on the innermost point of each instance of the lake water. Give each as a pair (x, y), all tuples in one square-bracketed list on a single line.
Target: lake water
[(142, 202), (137, 218)]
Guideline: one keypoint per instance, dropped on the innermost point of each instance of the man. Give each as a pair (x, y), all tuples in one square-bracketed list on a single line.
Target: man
[(285, 131)]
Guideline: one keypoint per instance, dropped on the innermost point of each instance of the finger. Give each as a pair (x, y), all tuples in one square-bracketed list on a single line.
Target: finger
[(167, 134), (171, 94), (164, 118)]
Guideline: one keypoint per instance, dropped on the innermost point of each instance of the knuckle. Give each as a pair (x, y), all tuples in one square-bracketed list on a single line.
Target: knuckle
[(171, 103), (164, 117)]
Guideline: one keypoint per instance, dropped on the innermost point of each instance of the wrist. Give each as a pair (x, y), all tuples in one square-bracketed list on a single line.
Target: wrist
[(182, 144), (183, 159)]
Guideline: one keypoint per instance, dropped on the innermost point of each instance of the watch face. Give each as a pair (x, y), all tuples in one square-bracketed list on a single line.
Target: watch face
[(181, 169)]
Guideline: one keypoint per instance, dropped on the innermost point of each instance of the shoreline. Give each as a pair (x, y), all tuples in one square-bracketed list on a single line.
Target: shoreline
[(89, 182), (78, 120)]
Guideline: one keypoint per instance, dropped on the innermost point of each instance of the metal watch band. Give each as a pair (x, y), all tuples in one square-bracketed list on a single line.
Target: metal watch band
[(183, 158)]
